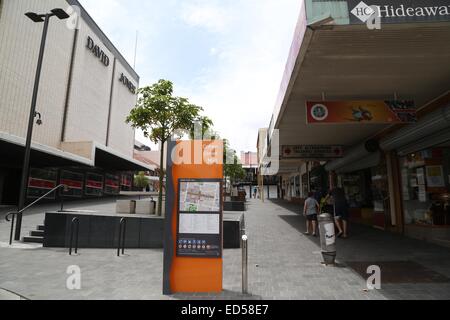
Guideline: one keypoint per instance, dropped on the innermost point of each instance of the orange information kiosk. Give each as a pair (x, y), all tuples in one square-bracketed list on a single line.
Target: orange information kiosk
[(193, 240)]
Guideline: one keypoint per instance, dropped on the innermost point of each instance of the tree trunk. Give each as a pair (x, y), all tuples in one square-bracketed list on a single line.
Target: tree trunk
[(161, 180)]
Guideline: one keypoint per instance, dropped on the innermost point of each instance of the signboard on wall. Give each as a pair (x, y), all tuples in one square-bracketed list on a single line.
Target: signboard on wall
[(435, 177), (312, 152), (40, 182), (399, 11), (74, 182), (199, 218), (360, 112), (112, 184), (94, 184)]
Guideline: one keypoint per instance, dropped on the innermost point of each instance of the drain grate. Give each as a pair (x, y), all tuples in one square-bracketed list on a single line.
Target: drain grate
[(399, 272)]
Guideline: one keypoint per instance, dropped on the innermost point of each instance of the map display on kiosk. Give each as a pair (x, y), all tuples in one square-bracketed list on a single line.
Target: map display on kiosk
[(200, 218), (198, 196)]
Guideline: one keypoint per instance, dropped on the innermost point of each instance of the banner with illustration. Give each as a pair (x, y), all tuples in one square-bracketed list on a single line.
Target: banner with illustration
[(361, 112)]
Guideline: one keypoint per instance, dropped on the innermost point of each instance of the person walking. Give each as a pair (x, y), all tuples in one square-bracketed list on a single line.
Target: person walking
[(310, 211), (341, 212)]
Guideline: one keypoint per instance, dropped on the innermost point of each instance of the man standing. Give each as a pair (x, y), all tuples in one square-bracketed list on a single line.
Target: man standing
[(341, 213)]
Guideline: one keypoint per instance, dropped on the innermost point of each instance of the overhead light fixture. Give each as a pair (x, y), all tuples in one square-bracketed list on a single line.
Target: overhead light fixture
[(34, 17), (60, 13)]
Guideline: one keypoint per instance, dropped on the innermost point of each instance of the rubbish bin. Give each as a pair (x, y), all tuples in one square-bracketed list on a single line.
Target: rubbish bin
[(327, 238)]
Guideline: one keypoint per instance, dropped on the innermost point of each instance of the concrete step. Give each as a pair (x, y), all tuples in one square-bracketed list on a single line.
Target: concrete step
[(41, 227), (32, 239), (37, 233)]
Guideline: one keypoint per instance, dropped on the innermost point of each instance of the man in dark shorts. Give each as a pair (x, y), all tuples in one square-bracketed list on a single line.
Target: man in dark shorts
[(341, 213)]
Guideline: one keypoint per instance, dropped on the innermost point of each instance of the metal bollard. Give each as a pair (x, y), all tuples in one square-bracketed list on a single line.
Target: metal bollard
[(327, 238), (75, 221), (244, 264)]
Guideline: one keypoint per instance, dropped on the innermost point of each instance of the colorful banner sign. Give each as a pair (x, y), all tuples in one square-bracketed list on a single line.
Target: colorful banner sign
[(351, 112), (312, 152)]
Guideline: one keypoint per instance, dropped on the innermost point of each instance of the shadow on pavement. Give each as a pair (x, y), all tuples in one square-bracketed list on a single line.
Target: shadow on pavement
[(369, 246)]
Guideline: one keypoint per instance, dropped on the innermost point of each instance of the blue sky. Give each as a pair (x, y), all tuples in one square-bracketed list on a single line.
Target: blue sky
[(227, 56)]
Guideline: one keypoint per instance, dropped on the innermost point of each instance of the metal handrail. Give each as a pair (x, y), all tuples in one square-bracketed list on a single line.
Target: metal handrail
[(122, 235), (13, 214), (77, 221)]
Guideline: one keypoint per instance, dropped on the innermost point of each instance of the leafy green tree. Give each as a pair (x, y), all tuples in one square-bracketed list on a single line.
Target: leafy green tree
[(160, 114), (141, 181), (232, 167)]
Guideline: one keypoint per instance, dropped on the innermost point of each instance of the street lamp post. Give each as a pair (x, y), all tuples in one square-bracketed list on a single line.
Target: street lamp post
[(61, 14)]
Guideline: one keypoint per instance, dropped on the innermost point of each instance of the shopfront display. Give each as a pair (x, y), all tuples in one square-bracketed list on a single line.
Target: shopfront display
[(297, 187), (380, 196), (367, 193), (426, 187), (319, 178)]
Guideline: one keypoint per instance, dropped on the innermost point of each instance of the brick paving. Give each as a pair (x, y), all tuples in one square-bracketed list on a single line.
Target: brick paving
[(283, 264)]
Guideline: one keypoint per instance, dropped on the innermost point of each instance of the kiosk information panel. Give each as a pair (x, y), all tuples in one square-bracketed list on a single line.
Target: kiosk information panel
[(199, 218)]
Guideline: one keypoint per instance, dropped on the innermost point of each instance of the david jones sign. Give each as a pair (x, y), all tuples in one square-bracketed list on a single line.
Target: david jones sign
[(127, 83), (399, 11), (95, 49)]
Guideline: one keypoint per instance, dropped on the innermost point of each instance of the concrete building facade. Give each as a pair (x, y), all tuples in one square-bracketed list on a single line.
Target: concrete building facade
[(87, 89)]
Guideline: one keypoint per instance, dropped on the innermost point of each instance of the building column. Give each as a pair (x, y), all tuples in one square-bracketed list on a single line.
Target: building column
[(332, 180), (308, 173), (395, 192), (302, 196)]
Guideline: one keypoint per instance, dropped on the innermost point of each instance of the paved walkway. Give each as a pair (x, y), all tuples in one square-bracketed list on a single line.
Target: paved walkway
[(283, 264)]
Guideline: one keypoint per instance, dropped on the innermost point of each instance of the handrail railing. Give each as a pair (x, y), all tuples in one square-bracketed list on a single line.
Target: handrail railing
[(13, 214), (122, 234)]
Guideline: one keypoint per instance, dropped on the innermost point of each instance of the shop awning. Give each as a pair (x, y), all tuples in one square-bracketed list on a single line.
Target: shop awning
[(335, 61)]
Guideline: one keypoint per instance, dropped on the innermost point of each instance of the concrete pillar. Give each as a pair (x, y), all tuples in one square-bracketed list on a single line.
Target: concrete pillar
[(395, 199)]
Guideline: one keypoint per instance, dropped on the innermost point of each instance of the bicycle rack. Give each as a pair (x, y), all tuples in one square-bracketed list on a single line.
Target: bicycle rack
[(13, 214), (122, 235), (75, 221)]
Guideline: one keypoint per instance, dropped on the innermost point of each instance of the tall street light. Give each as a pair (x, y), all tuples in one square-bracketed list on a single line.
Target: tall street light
[(38, 18)]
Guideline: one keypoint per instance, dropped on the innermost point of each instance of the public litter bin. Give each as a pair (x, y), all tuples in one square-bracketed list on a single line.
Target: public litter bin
[(327, 238)]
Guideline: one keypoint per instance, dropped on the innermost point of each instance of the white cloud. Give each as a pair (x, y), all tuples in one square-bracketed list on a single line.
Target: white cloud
[(239, 94), (205, 14)]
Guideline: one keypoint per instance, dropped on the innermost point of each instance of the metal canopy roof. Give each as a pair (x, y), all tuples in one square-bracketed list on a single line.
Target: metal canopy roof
[(351, 62)]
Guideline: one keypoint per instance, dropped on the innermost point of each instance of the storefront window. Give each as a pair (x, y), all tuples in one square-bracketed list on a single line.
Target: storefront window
[(426, 187), (357, 187), (297, 186), (380, 188)]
